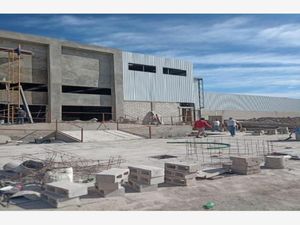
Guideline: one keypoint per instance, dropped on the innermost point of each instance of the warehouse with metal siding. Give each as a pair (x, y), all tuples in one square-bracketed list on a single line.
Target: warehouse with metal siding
[(218, 101), (157, 87)]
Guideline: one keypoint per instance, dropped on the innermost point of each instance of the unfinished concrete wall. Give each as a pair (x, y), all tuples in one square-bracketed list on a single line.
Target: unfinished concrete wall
[(34, 69), (86, 68), (86, 100)]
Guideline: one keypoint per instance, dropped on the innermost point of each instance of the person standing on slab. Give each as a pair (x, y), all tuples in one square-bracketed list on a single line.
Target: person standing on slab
[(232, 125), (216, 125), (200, 125), (21, 114)]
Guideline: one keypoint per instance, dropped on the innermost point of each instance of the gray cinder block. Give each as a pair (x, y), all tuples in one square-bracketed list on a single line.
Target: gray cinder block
[(67, 189), (59, 201), (183, 167), (179, 182), (142, 187), (146, 171), (275, 162), (146, 180), (179, 175), (112, 193), (113, 175), (107, 186)]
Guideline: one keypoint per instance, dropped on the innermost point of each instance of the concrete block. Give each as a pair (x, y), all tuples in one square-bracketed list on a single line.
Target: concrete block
[(112, 193), (179, 175), (246, 171), (183, 167), (113, 175), (283, 130), (179, 182), (107, 186), (245, 161), (258, 132), (67, 189), (149, 171), (146, 180), (271, 131), (275, 162), (142, 187), (59, 201)]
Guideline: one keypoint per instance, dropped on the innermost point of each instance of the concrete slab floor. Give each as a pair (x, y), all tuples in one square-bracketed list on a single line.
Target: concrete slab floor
[(269, 190)]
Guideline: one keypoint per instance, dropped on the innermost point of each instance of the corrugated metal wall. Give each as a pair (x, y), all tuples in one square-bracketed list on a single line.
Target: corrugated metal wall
[(219, 101), (143, 86)]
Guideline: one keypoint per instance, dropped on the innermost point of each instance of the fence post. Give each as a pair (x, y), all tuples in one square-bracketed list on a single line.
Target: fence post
[(102, 117), (56, 126), (150, 132), (81, 135), (117, 124), (172, 120)]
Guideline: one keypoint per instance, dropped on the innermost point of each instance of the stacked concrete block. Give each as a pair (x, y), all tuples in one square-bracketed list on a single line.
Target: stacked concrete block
[(108, 182), (63, 193), (275, 162), (180, 173), (258, 132), (271, 131), (145, 178), (283, 130), (245, 165)]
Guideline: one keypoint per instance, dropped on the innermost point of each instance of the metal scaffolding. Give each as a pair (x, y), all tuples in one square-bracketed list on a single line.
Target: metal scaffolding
[(13, 94)]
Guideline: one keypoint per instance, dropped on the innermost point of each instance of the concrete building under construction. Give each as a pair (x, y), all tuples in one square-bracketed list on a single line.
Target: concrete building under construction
[(61, 80)]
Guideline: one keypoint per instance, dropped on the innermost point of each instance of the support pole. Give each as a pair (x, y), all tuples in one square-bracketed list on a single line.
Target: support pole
[(19, 76), (150, 132)]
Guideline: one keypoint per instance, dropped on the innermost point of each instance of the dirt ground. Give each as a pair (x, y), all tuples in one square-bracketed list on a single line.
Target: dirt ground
[(269, 190)]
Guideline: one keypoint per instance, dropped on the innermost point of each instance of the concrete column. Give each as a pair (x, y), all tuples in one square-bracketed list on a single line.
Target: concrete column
[(54, 82), (117, 86)]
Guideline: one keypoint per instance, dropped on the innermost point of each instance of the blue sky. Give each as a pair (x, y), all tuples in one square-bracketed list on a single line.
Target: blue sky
[(243, 54)]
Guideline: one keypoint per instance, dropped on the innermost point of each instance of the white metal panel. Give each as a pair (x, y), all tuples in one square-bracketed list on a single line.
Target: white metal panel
[(219, 101), (143, 86)]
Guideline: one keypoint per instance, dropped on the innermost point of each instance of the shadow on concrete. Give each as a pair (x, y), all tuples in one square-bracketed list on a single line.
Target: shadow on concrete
[(25, 203)]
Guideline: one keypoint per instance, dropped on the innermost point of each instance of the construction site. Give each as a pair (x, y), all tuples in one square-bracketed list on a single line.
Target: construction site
[(103, 129)]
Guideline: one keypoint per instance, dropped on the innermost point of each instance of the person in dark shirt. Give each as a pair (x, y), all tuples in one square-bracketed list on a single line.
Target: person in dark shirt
[(200, 125), (21, 114)]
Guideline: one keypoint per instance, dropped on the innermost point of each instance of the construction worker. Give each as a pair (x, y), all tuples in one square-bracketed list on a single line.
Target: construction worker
[(21, 114), (216, 125), (200, 125), (232, 125)]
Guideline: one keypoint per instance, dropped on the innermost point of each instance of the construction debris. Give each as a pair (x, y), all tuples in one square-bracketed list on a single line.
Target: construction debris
[(39, 167), (180, 173), (145, 178), (210, 173), (61, 174)]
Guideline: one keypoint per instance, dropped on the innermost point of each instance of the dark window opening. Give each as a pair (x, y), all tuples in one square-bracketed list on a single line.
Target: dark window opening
[(86, 90), (172, 71), (143, 68), (86, 113), (186, 104), (28, 86)]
